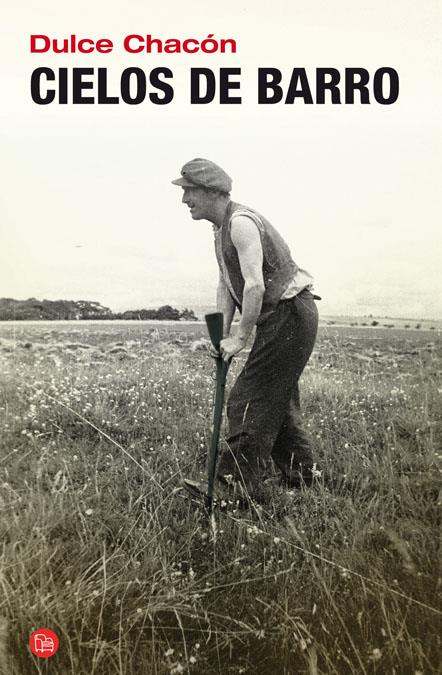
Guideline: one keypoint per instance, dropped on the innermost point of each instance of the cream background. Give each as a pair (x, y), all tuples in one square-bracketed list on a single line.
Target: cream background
[(87, 208)]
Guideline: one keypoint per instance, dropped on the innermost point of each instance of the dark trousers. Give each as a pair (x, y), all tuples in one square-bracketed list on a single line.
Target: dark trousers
[(263, 409)]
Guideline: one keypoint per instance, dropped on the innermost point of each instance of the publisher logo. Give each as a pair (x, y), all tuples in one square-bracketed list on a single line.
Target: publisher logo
[(44, 643)]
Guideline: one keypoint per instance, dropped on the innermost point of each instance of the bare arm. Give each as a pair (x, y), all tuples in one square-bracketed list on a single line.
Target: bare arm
[(246, 239), (225, 304)]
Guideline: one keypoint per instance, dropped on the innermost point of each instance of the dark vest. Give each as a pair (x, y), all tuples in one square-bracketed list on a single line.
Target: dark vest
[(278, 267)]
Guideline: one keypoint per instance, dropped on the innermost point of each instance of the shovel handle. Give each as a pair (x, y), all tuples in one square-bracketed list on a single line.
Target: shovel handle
[(215, 326)]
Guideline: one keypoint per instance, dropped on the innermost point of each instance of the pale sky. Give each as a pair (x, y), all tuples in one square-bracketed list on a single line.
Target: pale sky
[(87, 207)]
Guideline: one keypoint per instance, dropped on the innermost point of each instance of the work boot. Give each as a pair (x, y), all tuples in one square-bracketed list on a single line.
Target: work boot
[(296, 480)]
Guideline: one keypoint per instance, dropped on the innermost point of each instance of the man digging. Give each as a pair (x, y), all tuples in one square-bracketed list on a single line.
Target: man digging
[(257, 276)]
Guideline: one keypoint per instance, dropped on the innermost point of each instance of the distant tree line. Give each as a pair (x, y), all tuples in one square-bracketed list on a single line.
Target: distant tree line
[(70, 310), (166, 312)]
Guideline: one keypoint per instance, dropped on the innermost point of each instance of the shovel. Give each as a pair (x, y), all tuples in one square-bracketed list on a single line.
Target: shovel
[(215, 326)]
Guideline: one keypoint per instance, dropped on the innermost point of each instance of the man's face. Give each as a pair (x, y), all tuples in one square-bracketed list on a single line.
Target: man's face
[(199, 201)]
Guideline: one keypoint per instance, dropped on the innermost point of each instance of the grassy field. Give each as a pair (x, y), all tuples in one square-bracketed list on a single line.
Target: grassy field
[(99, 424)]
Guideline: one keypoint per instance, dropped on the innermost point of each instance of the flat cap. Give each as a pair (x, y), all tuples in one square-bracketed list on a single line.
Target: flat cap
[(204, 173)]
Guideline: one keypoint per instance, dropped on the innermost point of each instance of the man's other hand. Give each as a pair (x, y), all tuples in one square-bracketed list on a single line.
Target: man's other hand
[(230, 346)]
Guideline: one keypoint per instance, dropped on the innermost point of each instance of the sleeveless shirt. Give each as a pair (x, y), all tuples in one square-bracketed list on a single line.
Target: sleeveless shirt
[(282, 276)]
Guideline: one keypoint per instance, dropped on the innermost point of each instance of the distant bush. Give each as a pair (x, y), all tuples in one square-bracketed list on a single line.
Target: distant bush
[(164, 313), (375, 323), (418, 325), (188, 315), (33, 309)]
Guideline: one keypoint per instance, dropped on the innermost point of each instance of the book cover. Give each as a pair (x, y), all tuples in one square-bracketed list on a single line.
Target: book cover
[(326, 116)]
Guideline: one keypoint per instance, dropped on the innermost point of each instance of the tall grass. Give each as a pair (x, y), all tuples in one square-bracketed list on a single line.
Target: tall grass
[(100, 544)]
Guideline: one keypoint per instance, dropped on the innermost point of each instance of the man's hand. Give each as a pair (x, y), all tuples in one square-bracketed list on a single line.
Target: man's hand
[(230, 346)]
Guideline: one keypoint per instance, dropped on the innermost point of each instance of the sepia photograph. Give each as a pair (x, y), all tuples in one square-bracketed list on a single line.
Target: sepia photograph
[(220, 338)]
